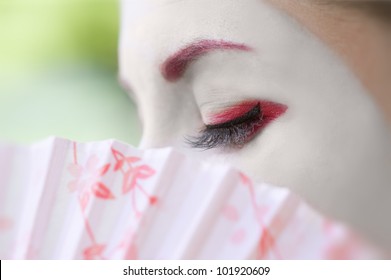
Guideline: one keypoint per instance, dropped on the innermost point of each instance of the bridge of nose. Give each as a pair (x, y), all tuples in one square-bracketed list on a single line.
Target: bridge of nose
[(168, 121)]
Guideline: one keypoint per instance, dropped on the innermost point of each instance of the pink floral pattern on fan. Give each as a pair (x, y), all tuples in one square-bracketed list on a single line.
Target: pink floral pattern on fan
[(88, 181), (267, 242), (132, 175), (94, 252), (239, 236), (231, 213), (5, 224), (127, 245), (341, 249), (105, 206)]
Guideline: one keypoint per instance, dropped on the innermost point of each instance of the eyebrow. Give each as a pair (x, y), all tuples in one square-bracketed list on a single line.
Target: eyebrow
[(174, 67)]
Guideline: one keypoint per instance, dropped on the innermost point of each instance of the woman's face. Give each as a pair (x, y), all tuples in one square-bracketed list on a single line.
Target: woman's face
[(240, 82)]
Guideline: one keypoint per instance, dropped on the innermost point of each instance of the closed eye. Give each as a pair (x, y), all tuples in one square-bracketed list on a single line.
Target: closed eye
[(238, 125)]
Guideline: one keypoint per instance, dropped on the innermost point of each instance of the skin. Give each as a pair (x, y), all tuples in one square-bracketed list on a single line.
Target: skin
[(359, 32), (332, 146)]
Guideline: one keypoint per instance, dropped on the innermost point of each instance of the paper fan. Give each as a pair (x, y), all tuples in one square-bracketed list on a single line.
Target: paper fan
[(107, 200)]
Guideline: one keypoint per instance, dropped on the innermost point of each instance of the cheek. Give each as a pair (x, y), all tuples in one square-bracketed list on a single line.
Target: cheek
[(332, 146), (323, 144)]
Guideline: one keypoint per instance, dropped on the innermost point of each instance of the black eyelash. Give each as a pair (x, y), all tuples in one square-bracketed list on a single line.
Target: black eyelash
[(234, 133)]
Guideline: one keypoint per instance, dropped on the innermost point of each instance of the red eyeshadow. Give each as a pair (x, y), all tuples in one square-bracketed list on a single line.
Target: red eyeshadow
[(270, 111)]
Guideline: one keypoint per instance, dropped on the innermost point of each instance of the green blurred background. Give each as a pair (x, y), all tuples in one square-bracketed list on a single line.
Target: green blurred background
[(58, 72)]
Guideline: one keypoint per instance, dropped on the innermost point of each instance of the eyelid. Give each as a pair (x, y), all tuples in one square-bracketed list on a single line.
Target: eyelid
[(255, 113), (233, 112), (233, 128)]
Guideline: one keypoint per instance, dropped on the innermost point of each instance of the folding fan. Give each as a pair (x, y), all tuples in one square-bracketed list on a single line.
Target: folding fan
[(107, 200)]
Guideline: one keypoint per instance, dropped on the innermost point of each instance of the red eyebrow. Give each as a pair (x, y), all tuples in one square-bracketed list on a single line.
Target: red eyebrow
[(175, 66)]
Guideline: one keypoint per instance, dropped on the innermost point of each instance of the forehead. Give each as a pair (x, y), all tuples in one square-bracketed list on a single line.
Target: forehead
[(132, 10), (151, 30)]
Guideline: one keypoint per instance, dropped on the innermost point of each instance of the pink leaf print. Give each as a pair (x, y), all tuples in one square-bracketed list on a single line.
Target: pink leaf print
[(266, 244), (84, 198), (337, 252), (129, 182), (101, 191), (121, 159), (118, 165), (153, 200), (342, 249), (132, 160), (94, 252), (144, 171), (131, 176), (239, 236), (245, 180), (132, 252), (104, 169), (87, 179), (231, 213), (117, 154), (5, 224)]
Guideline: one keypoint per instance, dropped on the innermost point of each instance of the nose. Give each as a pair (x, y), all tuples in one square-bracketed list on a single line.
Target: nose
[(160, 131), (166, 122)]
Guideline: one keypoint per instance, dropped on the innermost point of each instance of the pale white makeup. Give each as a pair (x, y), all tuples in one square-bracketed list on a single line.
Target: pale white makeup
[(332, 146)]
